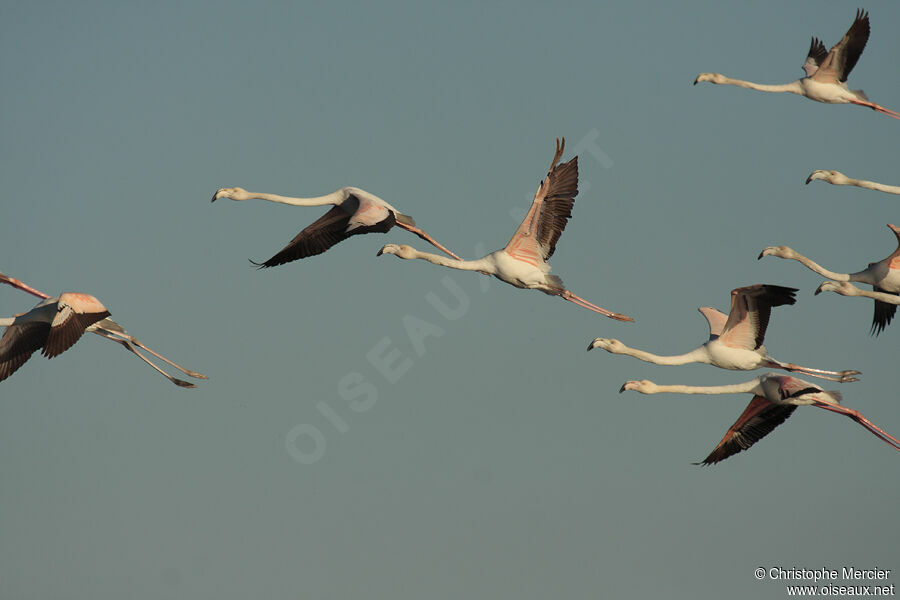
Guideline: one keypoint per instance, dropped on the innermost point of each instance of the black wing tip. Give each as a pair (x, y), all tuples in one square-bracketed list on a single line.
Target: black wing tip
[(262, 265)]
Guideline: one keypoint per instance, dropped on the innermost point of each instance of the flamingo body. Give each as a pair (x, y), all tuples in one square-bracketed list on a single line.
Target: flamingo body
[(775, 397), (55, 324), (523, 262), (355, 212), (736, 340), (826, 72)]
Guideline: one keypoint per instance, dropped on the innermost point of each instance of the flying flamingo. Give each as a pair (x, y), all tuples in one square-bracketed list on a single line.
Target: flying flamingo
[(523, 262), (355, 212), (845, 288), (55, 324), (883, 275), (774, 399), (838, 178), (826, 72), (735, 341)]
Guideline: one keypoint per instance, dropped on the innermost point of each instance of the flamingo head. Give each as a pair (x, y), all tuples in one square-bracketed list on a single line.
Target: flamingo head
[(779, 251), (844, 288), (643, 386), (606, 344), (234, 193), (833, 177), (710, 77), (400, 250)]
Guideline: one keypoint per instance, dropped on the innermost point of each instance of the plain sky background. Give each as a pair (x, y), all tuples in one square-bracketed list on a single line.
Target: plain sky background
[(502, 463)]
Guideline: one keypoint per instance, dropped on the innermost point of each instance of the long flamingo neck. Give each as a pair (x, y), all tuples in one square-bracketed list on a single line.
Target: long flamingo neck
[(880, 296), (793, 87), (693, 356), (737, 388), (461, 265), (317, 201), (872, 185), (811, 264)]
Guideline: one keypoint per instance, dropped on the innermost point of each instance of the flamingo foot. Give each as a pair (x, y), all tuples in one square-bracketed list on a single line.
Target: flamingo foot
[(575, 299)]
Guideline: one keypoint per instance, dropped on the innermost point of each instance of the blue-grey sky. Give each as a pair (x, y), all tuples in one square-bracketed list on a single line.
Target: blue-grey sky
[(381, 429)]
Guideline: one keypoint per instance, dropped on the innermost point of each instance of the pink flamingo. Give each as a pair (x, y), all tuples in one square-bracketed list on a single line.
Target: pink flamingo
[(774, 399), (55, 324), (736, 340), (826, 72), (523, 262), (355, 212), (883, 275)]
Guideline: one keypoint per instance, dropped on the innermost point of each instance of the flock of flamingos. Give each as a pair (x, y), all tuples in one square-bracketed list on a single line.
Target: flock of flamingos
[(735, 340)]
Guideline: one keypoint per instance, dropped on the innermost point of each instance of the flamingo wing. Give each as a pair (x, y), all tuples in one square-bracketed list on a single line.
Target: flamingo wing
[(814, 58), (751, 307), (716, 320), (75, 313), (756, 422), (843, 56), (318, 237), (19, 342), (535, 240), (884, 312)]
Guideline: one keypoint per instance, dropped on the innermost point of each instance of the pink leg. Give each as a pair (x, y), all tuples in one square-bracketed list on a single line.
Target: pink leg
[(841, 376), (22, 286), (134, 341), (878, 108), (130, 348), (856, 416), (571, 297), (421, 233)]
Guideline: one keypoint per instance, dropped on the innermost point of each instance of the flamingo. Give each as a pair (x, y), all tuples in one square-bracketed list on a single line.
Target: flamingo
[(355, 212), (735, 341), (523, 262), (845, 288), (838, 178), (826, 72), (55, 324), (883, 275), (774, 399)]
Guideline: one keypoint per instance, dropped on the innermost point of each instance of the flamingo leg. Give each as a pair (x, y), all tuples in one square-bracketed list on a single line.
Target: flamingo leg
[(840, 376), (857, 416), (575, 299), (877, 107), (421, 233), (133, 340), (130, 348), (22, 286)]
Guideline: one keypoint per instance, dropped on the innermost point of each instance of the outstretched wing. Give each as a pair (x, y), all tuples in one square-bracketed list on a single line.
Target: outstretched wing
[(749, 315), (756, 422), (19, 342), (535, 240), (843, 56), (716, 320), (814, 58), (327, 231)]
